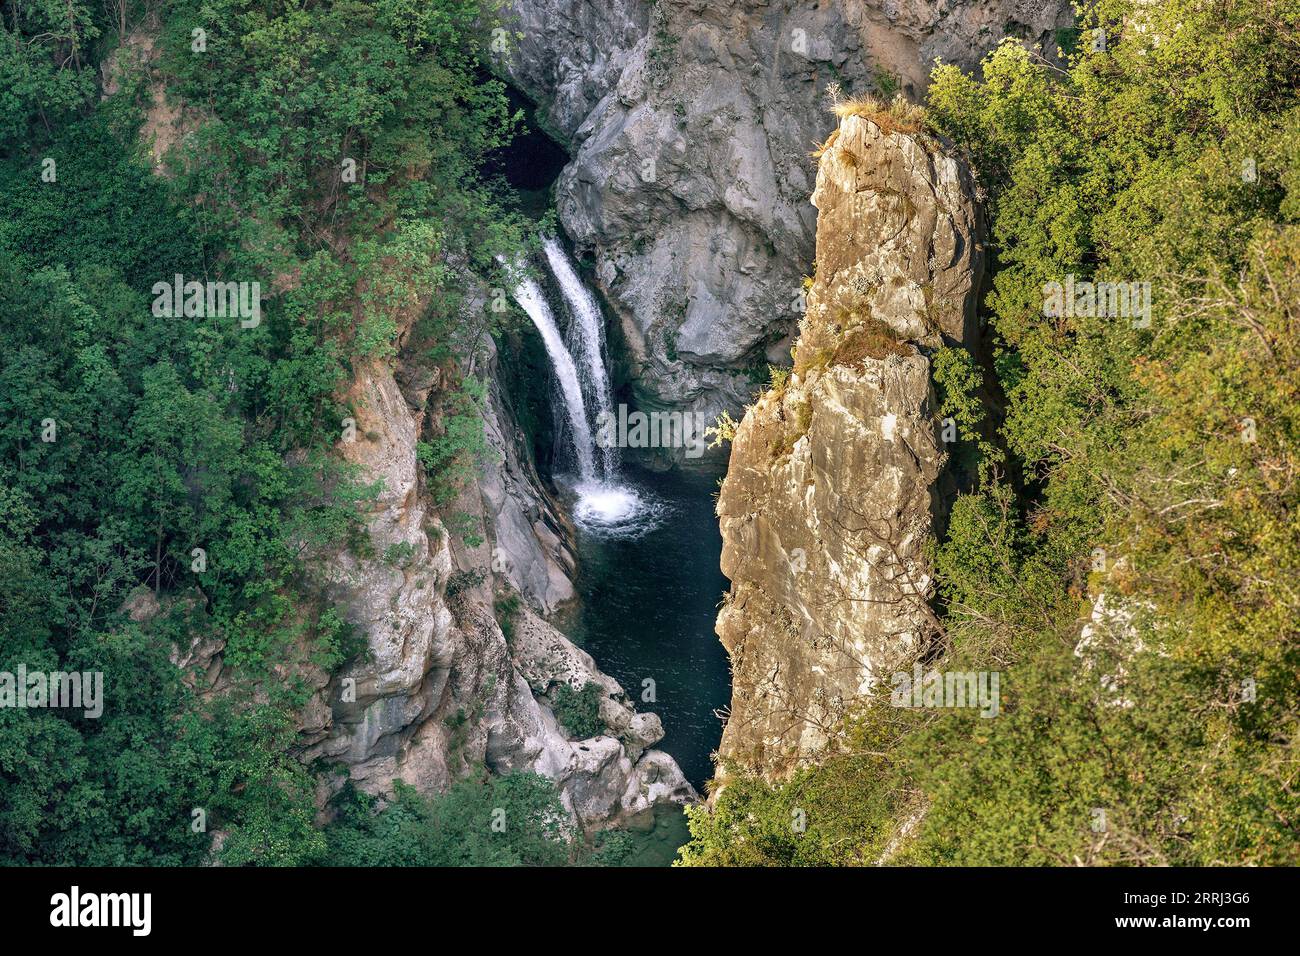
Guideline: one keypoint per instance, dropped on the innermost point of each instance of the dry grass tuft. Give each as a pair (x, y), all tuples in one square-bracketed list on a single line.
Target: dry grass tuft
[(899, 116), (825, 147), (869, 338)]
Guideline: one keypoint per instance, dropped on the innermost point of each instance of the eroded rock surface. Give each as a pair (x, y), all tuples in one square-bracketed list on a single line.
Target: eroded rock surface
[(835, 474), (443, 688)]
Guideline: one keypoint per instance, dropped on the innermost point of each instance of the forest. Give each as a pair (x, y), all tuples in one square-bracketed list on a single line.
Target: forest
[(181, 464)]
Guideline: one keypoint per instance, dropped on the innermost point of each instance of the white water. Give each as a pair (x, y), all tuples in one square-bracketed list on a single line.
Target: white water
[(530, 297), (603, 506), (589, 329)]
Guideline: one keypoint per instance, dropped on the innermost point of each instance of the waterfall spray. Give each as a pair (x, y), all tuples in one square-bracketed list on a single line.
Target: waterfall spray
[(603, 506)]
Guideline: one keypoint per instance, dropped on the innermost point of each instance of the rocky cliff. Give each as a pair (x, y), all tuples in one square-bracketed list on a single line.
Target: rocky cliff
[(445, 685), (836, 472), (690, 124)]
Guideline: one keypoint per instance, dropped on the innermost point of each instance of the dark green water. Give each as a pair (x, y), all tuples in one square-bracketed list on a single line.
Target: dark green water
[(656, 837), (648, 602)]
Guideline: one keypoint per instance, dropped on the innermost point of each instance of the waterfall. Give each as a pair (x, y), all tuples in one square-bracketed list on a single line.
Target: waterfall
[(530, 297), (588, 328), (605, 505)]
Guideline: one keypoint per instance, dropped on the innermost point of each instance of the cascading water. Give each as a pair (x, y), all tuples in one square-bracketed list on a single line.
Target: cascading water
[(603, 505), (588, 335), (650, 549), (649, 581), (529, 295)]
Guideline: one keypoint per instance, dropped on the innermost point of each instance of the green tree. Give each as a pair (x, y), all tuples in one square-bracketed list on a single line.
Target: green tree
[(510, 820)]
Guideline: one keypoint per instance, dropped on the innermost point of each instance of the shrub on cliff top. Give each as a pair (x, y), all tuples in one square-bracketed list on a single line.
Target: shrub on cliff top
[(896, 116)]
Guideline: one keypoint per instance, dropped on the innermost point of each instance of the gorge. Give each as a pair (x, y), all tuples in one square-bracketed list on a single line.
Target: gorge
[(620, 397), (647, 547), (698, 254), (699, 250)]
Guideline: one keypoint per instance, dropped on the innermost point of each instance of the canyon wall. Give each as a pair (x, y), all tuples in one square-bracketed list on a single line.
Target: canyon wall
[(690, 124), (446, 685), (836, 474), (448, 680), (443, 685)]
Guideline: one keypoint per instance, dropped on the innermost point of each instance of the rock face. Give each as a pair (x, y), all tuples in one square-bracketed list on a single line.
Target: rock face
[(528, 542), (690, 124), (443, 688), (835, 474)]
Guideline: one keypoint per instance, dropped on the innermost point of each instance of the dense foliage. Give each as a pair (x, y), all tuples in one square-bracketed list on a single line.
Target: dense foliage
[(164, 478), (510, 820), (1150, 485)]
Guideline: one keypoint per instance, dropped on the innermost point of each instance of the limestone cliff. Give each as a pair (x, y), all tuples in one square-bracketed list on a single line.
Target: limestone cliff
[(835, 474), (690, 124)]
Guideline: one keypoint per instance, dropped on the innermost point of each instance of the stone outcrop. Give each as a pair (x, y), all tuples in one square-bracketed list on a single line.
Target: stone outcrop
[(443, 688), (690, 124), (835, 474)]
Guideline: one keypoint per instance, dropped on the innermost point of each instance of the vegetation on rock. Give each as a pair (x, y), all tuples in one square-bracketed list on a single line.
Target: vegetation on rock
[(189, 457), (1152, 467), (579, 710)]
